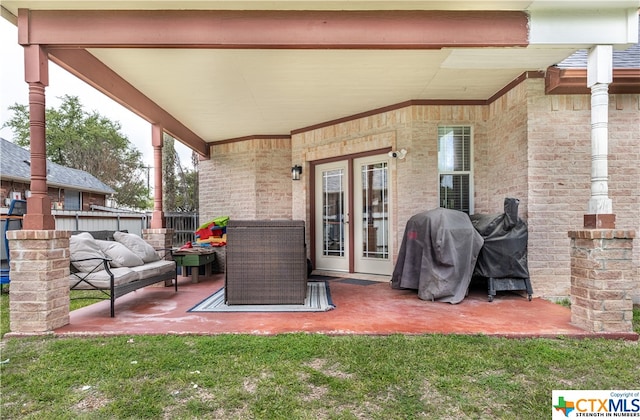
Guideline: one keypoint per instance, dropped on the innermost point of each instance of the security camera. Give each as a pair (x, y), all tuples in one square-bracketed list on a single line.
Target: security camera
[(398, 154)]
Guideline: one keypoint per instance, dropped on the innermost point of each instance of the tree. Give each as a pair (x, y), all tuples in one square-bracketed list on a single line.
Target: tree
[(188, 199), (168, 173), (180, 191), (90, 142)]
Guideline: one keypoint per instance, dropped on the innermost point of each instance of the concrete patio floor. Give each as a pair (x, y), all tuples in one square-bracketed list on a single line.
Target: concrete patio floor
[(370, 308)]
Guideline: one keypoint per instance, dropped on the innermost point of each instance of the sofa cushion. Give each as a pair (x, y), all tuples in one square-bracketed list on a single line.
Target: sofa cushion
[(154, 268), (120, 255), (138, 245), (100, 279), (83, 246)]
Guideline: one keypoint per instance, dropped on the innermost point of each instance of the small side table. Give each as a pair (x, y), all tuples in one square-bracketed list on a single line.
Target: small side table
[(195, 258)]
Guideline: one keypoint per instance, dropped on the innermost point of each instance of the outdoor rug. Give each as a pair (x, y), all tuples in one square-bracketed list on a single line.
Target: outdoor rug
[(359, 282), (348, 280), (318, 300)]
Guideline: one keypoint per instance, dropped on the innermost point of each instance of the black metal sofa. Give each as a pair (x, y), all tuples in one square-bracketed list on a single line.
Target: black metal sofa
[(116, 272)]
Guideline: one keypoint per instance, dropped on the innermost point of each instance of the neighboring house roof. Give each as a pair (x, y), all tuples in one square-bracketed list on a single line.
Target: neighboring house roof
[(569, 76), (627, 59), (15, 164), (623, 59)]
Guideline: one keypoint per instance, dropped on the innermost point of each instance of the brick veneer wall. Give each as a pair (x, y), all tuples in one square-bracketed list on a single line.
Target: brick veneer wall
[(273, 180), (559, 183), (559, 151), (502, 166), (248, 179), (527, 145), (624, 170)]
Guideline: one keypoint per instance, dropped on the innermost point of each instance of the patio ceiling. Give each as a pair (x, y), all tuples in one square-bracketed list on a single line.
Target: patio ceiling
[(234, 88), (224, 94)]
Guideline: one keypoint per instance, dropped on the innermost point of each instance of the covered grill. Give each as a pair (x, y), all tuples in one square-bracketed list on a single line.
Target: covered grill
[(503, 257), (437, 255)]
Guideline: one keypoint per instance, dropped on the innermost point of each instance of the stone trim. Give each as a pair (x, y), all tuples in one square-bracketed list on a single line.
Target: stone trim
[(602, 234)]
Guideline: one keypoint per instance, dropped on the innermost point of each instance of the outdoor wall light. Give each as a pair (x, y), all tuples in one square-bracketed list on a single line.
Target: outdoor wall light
[(296, 171)]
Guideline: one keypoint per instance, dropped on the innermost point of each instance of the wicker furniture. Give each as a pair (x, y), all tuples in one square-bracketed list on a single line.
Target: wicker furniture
[(266, 262)]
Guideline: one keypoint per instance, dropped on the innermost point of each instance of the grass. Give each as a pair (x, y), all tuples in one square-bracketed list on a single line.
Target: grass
[(299, 376), (303, 376), (79, 298)]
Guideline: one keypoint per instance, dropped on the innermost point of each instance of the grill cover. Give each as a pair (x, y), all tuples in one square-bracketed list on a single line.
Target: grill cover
[(504, 253), (437, 255)]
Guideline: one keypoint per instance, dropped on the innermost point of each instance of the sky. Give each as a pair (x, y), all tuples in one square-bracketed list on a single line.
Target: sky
[(14, 89)]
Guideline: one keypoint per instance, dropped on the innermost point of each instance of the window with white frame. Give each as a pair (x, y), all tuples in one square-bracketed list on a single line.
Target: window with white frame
[(72, 200), (455, 168)]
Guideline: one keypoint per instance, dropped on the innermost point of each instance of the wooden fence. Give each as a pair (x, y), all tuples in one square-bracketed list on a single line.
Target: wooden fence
[(184, 224)]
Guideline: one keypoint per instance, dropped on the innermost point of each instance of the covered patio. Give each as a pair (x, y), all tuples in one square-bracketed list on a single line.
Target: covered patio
[(362, 307), (258, 92)]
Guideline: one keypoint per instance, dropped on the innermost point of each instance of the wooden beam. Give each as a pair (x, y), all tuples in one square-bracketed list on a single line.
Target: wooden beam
[(396, 29)]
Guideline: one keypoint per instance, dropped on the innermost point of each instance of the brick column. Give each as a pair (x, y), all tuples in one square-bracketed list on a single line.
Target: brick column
[(39, 297), (602, 280), (157, 139), (38, 204), (160, 239)]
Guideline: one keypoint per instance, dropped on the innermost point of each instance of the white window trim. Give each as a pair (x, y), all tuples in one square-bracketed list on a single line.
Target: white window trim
[(470, 172)]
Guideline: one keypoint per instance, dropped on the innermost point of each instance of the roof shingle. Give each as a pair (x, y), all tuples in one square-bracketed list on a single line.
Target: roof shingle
[(624, 59), (15, 164)]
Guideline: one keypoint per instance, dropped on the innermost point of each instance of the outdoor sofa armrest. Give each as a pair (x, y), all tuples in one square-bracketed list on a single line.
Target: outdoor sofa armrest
[(82, 276), (168, 252)]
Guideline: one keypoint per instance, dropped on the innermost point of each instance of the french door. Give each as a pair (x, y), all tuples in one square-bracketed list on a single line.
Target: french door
[(352, 214)]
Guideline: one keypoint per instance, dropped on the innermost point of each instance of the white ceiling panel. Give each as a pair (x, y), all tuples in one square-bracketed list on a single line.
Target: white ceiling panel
[(228, 93)]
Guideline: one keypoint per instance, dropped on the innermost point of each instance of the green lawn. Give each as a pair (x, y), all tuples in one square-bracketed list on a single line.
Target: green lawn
[(304, 376)]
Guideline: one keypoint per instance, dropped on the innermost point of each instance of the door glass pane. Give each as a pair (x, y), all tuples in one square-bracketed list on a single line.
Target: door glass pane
[(375, 211), (333, 213)]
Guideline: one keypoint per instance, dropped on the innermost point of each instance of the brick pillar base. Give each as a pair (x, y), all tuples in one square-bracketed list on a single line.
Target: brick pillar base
[(602, 280), (39, 289), (160, 239)]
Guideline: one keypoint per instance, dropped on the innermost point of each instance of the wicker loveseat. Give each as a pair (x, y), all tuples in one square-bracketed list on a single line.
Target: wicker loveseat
[(116, 263), (266, 262)]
